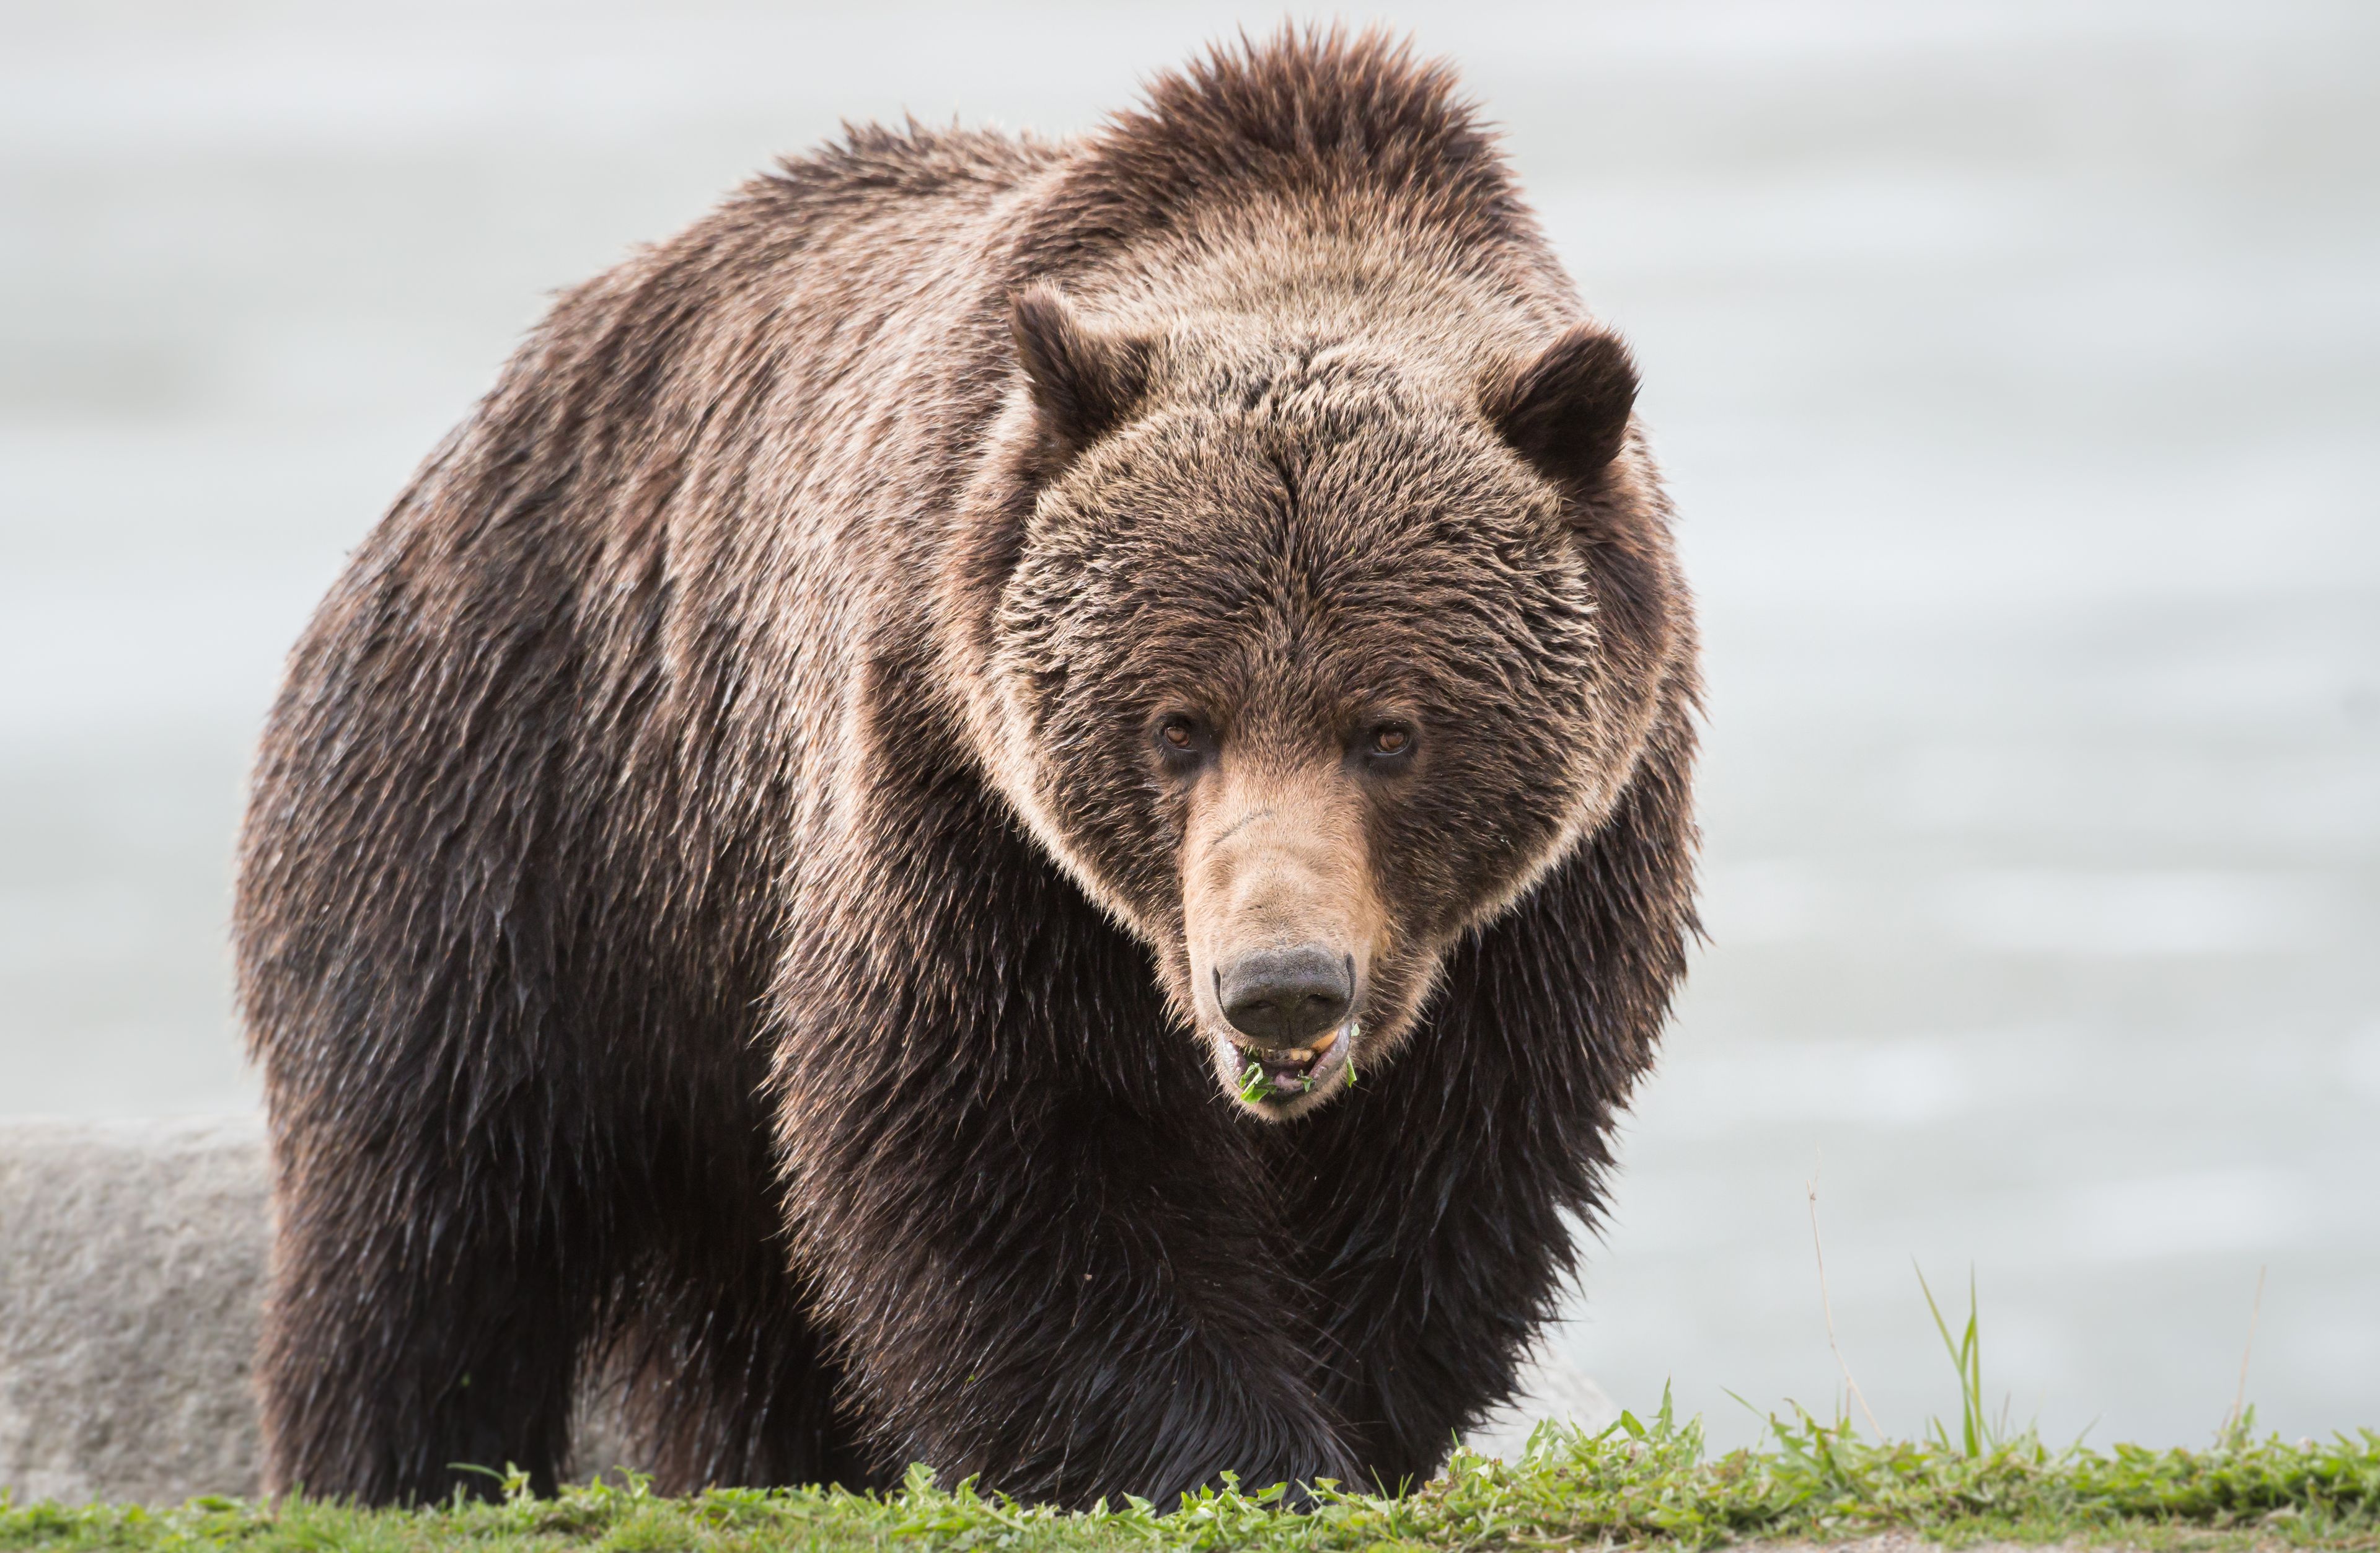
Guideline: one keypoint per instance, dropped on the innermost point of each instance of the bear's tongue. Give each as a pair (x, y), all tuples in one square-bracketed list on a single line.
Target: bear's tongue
[(1291, 1070)]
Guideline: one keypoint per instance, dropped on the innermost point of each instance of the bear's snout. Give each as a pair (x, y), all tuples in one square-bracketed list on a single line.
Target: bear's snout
[(1283, 998), (1285, 932)]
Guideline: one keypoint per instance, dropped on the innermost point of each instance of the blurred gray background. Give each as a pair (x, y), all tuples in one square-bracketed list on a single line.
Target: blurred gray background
[(2018, 371)]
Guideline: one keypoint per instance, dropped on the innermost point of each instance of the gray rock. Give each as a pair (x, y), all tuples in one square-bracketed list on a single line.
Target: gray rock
[(131, 1272), (131, 1285)]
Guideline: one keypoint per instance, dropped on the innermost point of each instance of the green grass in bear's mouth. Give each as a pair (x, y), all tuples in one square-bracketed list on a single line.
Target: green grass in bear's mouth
[(1256, 1086), (1641, 1481)]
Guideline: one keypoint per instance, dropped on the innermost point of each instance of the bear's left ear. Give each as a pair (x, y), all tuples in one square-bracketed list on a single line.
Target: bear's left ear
[(1567, 411), (1085, 378)]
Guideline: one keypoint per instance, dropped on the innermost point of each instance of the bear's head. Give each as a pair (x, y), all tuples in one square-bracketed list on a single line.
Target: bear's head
[(1305, 652)]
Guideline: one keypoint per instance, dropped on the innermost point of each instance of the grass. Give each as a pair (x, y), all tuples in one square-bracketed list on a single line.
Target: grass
[(1642, 1481), (1645, 1481)]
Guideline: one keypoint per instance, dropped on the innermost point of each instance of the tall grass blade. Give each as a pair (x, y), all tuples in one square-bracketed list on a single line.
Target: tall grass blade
[(1966, 1352)]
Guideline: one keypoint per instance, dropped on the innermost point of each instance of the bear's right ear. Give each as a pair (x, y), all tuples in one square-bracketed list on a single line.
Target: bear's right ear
[(1085, 379)]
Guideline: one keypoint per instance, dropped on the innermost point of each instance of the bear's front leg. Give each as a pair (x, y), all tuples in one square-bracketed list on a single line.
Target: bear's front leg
[(1448, 1192), (1041, 1238)]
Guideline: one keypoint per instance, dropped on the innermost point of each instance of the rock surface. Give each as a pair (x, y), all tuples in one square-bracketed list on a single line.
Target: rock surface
[(131, 1282), (131, 1271)]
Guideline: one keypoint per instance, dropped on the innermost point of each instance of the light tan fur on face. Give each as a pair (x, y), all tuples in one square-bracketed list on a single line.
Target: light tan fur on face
[(1276, 856)]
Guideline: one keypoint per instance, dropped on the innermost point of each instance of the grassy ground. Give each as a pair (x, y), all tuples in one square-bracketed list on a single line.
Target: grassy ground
[(1643, 1482), (1637, 1483)]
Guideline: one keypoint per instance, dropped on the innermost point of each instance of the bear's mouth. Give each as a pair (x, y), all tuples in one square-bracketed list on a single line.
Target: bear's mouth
[(1280, 1076)]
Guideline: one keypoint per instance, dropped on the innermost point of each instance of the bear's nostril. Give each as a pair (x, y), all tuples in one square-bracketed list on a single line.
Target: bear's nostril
[(1283, 997)]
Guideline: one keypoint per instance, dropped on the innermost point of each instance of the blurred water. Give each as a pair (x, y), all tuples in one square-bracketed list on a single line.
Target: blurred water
[(2018, 369)]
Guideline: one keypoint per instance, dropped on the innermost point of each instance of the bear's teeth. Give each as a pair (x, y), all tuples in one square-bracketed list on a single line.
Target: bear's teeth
[(1324, 1044), (1301, 1055)]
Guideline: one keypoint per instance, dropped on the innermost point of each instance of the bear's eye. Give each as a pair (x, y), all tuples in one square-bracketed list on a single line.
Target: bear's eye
[(1388, 744), (1182, 741)]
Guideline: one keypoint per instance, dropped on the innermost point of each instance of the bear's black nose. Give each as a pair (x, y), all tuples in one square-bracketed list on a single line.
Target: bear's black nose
[(1284, 997)]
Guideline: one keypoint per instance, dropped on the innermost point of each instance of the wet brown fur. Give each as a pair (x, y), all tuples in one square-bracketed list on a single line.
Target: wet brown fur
[(709, 911)]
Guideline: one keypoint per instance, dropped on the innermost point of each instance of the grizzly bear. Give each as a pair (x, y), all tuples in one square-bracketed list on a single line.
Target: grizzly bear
[(1020, 804)]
